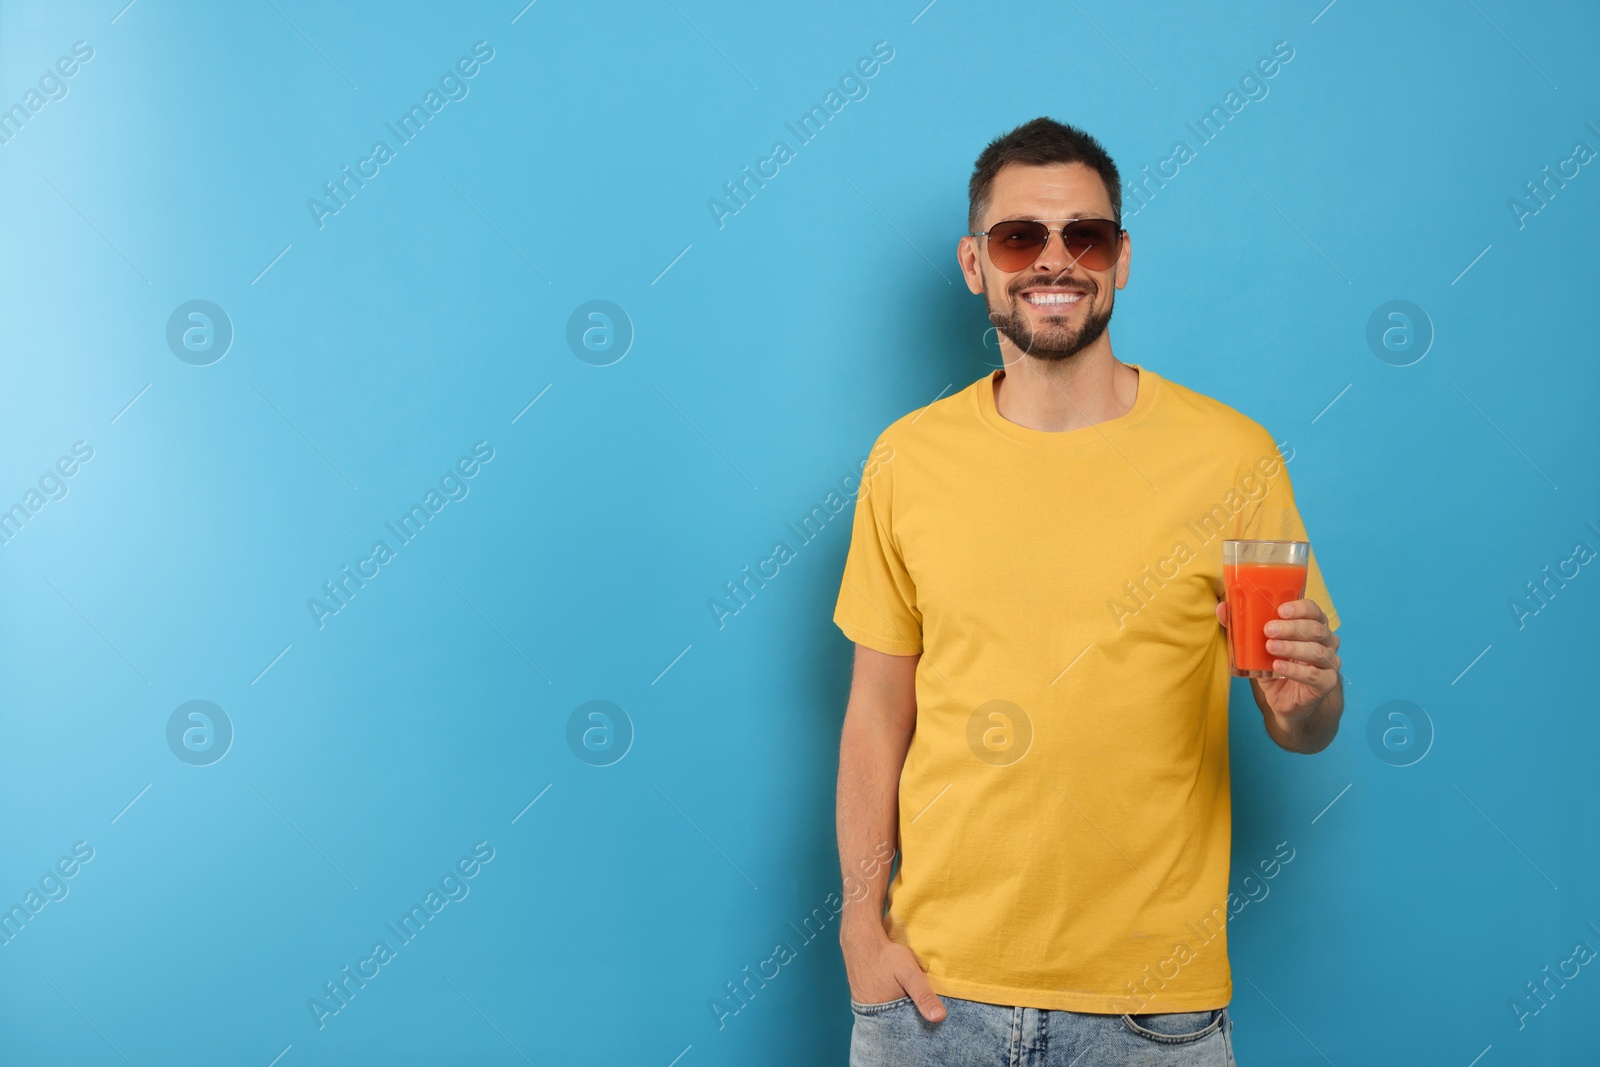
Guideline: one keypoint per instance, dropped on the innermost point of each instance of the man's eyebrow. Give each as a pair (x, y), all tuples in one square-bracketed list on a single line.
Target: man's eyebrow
[(1023, 215)]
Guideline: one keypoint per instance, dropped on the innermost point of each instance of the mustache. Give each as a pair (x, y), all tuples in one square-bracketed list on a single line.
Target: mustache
[(1083, 285)]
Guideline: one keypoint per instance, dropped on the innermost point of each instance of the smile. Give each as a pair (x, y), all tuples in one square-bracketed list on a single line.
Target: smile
[(1053, 299)]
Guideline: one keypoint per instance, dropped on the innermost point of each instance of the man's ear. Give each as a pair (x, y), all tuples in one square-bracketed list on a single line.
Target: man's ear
[(968, 258)]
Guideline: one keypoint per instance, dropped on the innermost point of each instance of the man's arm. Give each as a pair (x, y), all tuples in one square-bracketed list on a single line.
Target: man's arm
[(878, 724)]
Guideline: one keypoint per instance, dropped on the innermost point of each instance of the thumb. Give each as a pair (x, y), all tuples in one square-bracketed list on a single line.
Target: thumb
[(1222, 612), (915, 983)]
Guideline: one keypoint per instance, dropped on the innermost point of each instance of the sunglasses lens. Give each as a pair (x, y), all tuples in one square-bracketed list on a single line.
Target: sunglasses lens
[(1092, 243), (1013, 245)]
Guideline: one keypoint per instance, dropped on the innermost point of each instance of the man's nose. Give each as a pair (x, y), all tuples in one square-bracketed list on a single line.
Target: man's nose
[(1054, 257)]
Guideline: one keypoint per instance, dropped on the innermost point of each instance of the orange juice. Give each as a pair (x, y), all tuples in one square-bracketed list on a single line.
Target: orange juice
[(1255, 591)]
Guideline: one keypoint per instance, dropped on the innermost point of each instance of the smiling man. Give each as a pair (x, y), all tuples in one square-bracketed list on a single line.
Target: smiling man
[(1039, 710)]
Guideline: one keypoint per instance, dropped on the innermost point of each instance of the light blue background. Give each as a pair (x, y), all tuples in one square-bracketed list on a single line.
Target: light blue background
[(422, 318)]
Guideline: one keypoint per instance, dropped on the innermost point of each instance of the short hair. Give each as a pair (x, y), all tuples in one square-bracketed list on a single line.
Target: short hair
[(1037, 143)]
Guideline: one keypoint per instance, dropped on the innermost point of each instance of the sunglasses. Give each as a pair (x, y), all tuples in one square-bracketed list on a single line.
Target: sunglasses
[(1015, 244)]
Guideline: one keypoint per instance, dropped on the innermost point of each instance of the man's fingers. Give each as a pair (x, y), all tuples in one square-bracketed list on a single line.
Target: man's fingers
[(1302, 630), (1320, 679), (1305, 608), (1222, 612), (915, 983), (1312, 652)]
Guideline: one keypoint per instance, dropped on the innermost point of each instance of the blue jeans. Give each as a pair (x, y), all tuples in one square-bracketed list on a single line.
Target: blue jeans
[(974, 1034)]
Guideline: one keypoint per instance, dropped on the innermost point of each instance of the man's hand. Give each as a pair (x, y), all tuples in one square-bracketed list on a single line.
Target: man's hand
[(1307, 658), (1304, 705), (880, 970)]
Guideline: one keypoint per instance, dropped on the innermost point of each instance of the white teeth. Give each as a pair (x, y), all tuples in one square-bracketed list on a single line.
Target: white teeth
[(1053, 298)]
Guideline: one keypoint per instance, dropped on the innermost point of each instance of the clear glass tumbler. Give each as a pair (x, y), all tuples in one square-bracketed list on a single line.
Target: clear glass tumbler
[(1258, 577)]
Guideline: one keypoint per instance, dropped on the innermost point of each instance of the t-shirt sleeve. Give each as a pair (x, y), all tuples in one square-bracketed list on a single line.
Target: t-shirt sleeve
[(1276, 517), (877, 604)]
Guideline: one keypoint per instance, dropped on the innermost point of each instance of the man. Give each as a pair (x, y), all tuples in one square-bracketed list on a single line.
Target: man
[(1038, 716)]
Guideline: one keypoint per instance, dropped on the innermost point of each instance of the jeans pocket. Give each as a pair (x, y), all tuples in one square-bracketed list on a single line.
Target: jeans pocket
[(877, 1009), (1176, 1027)]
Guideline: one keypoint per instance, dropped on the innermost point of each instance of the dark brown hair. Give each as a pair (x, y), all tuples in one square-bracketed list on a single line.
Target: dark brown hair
[(1036, 143)]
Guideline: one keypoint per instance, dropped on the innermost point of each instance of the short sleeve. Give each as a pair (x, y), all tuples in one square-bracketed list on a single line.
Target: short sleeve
[(877, 604), (1277, 518)]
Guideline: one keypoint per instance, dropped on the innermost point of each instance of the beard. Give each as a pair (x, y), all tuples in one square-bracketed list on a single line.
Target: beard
[(1052, 343)]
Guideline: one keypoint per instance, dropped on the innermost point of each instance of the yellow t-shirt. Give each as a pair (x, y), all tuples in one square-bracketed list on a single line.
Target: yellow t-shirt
[(1064, 807)]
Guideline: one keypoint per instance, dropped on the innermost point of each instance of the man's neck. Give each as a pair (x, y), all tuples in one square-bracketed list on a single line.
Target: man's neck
[(1055, 395)]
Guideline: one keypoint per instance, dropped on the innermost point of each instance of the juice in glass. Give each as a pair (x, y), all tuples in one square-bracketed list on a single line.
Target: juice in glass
[(1258, 577)]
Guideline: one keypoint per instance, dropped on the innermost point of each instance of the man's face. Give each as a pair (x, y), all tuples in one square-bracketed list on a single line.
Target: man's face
[(1026, 306)]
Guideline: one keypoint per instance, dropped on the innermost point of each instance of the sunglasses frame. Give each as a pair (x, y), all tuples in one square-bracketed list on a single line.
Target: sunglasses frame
[(1062, 230)]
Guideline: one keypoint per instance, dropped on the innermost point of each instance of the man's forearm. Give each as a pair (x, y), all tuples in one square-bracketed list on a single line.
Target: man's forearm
[(868, 819), (1309, 732)]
